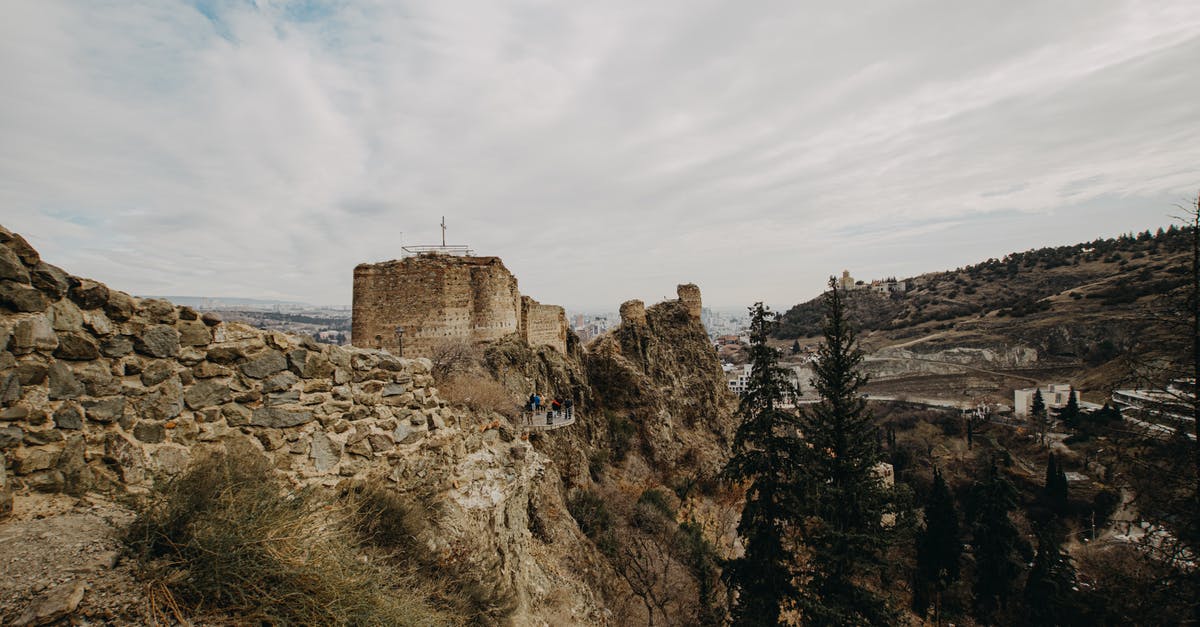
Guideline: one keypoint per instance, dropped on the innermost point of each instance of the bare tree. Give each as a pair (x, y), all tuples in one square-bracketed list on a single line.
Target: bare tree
[(452, 357)]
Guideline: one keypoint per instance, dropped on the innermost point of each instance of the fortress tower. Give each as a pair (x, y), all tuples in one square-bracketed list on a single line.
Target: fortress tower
[(439, 297), (689, 295)]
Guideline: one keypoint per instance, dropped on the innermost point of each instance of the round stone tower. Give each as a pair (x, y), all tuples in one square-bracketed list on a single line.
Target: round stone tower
[(633, 312), (689, 295)]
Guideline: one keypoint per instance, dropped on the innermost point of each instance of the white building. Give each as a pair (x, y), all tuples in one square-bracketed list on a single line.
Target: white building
[(738, 380), (1054, 396)]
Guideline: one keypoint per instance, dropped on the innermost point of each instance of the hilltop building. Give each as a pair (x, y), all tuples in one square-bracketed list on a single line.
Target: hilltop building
[(410, 305)]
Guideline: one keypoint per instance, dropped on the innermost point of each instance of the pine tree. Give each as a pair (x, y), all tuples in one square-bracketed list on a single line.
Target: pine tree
[(795, 346), (1038, 414), (841, 497), (1069, 413), (765, 451), (939, 548), (1055, 486), (993, 542), (1049, 589)]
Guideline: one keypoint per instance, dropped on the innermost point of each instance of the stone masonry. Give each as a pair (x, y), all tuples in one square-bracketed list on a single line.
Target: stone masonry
[(438, 298), (102, 390)]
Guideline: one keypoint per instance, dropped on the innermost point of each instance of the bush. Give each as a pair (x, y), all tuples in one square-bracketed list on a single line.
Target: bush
[(594, 519), (226, 538), (480, 394), (620, 434)]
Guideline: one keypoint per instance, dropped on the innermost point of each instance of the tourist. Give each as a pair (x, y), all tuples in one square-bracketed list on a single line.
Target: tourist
[(537, 401), (570, 408)]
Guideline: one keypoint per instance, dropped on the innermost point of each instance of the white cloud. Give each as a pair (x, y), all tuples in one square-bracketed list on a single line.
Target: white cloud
[(605, 151)]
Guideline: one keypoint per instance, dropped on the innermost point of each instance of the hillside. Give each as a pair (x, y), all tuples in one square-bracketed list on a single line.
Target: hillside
[(1077, 306)]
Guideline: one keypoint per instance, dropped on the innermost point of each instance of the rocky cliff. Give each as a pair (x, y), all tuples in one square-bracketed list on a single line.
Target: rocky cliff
[(104, 392)]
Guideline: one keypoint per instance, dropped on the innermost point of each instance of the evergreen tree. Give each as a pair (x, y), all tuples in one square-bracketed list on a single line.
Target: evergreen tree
[(1038, 413), (795, 346), (1069, 413), (1055, 486), (939, 548), (1049, 590), (993, 542), (766, 449), (841, 496)]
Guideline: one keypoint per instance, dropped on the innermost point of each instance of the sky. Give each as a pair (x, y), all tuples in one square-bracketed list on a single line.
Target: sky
[(604, 150)]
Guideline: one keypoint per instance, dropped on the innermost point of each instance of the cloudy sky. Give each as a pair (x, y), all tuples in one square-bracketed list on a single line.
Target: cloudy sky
[(605, 150)]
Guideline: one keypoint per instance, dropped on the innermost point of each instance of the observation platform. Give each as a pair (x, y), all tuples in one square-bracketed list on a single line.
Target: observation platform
[(546, 420)]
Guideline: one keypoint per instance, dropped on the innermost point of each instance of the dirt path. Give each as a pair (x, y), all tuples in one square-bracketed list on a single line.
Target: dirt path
[(54, 544)]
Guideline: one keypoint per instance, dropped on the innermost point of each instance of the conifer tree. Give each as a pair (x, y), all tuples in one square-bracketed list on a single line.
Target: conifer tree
[(1049, 589), (795, 346), (939, 548), (765, 452), (1069, 413), (993, 541), (1038, 413), (841, 497)]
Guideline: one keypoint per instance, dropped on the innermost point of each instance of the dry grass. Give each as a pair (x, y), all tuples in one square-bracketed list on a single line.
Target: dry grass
[(480, 394), (225, 539)]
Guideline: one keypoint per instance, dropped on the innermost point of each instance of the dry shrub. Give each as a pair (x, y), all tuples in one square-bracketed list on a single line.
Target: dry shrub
[(480, 394), (454, 357), (399, 527), (226, 539)]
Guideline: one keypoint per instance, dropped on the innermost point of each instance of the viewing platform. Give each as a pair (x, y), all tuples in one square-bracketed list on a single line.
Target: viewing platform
[(546, 420)]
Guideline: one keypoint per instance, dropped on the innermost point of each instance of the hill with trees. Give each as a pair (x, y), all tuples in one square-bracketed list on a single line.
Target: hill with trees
[(1084, 304)]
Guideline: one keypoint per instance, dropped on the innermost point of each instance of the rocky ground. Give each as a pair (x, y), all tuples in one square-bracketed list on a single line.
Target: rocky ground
[(60, 557)]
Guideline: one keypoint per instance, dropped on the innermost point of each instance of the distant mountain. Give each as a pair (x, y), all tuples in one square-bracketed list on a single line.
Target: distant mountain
[(1085, 303)]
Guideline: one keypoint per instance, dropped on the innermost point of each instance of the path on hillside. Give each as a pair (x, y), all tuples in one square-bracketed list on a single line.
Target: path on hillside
[(995, 373)]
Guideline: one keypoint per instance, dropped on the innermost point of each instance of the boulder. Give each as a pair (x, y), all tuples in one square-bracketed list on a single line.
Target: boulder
[(54, 605), (227, 355), (88, 294), (157, 371), (207, 393), (19, 297), (150, 432), (279, 382), (65, 316), (263, 364), (11, 267), (117, 346), (32, 372), (51, 280), (211, 318), (193, 333), (325, 452), (63, 382), (235, 415), (76, 347), (98, 379), (10, 437), (104, 410), (119, 306), (164, 403), (27, 253), (69, 416), (158, 340), (31, 460), (10, 389), (34, 334), (280, 417), (38, 438), (96, 322), (158, 310)]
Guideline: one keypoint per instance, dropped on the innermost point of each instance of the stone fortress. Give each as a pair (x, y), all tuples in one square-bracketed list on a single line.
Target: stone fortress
[(437, 297)]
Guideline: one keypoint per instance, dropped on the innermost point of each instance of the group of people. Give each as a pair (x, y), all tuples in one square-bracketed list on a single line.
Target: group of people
[(558, 407)]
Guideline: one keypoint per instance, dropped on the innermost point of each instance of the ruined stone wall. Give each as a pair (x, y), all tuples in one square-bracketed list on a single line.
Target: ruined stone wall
[(543, 325), (689, 295), (435, 298), (102, 390), (440, 297)]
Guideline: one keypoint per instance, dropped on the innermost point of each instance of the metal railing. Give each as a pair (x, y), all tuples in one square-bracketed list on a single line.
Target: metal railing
[(547, 419)]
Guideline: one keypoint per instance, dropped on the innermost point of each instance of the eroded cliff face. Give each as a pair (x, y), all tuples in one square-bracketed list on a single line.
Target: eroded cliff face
[(104, 392), (658, 369)]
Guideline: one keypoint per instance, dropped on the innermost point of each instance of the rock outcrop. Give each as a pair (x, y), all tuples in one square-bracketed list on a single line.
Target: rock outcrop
[(101, 391)]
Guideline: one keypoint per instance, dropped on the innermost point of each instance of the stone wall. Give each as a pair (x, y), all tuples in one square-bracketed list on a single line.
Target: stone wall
[(543, 325), (689, 295), (443, 297), (99, 389)]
